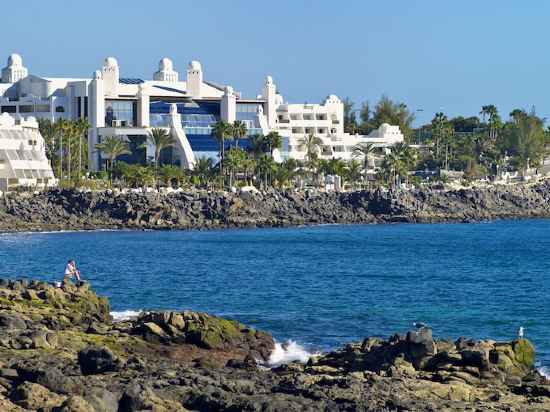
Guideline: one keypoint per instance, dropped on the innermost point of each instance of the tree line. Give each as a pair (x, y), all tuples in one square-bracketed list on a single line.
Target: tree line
[(478, 146)]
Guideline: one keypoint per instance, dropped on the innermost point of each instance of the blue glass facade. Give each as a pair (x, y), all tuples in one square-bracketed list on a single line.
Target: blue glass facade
[(197, 119), (248, 113), (123, 111)]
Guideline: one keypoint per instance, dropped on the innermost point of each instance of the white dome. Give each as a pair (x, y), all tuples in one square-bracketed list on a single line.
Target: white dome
[(166, 64), (110, 62), (195, 65), (334, 97), (15, 60), (269, 80)]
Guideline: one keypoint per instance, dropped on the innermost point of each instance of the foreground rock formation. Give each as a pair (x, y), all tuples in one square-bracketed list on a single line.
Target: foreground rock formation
[(61, 209), (59, 351)]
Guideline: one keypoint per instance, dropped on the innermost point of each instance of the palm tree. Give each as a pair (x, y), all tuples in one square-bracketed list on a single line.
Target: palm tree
[(221, 131), (387, 111), (171, 174), (66, 131), (239, 131), (353, 172), (161, 139), (312, 145), (112, 147), (517, 114), (234, 161), (338, 167), (491, 111), (439, 124), (364, 150), (265, 166), (407, 158), (392, 167), (82, 127), (138, 175), (256, 145), (273, 141), (203, 169), (49, 132)]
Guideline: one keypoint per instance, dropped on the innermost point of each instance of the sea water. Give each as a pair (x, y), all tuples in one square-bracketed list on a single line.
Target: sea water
[(317, 288)]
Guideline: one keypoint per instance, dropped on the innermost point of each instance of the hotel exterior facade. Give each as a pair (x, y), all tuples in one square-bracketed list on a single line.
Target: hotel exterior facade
[(23, 160), (188, 108)]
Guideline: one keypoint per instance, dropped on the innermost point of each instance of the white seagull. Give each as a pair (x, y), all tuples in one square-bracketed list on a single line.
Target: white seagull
[(520, 332)]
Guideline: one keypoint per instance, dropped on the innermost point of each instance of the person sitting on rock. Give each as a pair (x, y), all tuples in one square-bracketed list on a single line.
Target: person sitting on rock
[(71, 272)]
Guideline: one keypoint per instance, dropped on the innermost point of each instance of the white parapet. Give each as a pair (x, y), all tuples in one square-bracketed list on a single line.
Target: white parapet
[(187, 156)]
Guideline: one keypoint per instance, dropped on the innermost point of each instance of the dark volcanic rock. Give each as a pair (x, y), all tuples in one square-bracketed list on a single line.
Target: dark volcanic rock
[(94, 360), (178, 361), (65, 209)]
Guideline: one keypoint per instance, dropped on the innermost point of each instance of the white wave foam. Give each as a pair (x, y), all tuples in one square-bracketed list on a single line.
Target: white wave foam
[(123, 315), (288, 352), (544, 371)]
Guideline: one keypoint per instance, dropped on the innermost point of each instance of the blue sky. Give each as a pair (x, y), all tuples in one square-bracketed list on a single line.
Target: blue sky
[(432, 55)]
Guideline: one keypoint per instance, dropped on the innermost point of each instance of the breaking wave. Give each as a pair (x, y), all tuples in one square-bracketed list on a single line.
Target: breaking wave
[(288, 351), (123, 315)]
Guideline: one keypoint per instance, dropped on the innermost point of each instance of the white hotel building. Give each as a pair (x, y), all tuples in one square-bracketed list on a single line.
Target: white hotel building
[(129, 107), (23, 160)]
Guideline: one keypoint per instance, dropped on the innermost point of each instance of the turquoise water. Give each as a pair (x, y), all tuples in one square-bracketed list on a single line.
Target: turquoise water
[(320, 286)]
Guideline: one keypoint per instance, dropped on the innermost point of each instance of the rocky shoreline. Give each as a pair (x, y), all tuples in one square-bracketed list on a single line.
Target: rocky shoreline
[(61, 351), (76, 210)]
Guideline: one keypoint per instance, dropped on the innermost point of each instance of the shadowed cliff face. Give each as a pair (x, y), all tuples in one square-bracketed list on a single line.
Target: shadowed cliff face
[(61, 209), (60, 351)]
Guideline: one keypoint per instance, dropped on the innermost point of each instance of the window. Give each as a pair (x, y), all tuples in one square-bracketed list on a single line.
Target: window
[(42, 108), (247, 107), (198, 120), (25, 109), (60, 109), (8, 109), (120, 113)]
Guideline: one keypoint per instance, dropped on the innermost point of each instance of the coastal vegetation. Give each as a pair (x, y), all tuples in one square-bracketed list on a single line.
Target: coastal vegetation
[(66, 147), (477, 147)]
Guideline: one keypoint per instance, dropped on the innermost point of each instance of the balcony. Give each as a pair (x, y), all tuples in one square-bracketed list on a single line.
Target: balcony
[(121, 123)]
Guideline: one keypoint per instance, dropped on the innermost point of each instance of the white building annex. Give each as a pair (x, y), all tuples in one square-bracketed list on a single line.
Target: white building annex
[(23, 159), (187, 106)]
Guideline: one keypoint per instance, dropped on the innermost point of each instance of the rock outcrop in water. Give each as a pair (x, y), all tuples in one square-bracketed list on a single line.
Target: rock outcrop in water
[(59, 351), (63, 209)]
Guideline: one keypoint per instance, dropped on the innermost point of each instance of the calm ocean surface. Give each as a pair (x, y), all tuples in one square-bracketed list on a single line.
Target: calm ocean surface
[(320, 286)]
